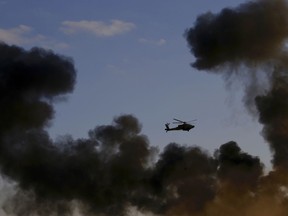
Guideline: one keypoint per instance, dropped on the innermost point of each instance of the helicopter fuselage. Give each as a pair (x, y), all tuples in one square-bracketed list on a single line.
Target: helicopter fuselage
[(184, 127)]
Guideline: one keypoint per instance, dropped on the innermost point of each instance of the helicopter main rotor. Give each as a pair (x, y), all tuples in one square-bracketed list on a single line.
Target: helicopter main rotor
[(182, 122)]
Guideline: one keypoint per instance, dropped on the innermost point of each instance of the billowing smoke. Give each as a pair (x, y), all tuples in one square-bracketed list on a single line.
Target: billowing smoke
[(115, 170), (252, 33), (29, 83), (107, 173), (248, 43)]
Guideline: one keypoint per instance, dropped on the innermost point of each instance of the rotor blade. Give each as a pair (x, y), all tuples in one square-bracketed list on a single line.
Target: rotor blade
[(178, 120), (192, 120)]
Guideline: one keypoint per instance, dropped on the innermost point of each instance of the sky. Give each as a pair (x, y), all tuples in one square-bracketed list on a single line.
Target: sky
[(132, 58)]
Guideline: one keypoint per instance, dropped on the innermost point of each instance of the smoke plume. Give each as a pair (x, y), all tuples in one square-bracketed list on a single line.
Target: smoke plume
[(248, 42), (253, 33), (115, 170), (107, 173)]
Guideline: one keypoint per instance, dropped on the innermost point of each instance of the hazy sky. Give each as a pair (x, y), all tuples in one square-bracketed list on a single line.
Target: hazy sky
[(132, 58)]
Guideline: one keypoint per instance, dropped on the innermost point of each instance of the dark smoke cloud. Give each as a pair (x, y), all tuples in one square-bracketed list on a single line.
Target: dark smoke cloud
[(115, 169), (248, 44), (29, 81), (184, 178), (110, 171), (237, 168), (253, 34)]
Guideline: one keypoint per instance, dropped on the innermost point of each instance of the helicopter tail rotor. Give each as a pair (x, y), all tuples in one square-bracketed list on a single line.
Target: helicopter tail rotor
[(167, 127)]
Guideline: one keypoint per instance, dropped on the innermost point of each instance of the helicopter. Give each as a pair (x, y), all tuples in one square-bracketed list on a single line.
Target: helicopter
[(182, 125)]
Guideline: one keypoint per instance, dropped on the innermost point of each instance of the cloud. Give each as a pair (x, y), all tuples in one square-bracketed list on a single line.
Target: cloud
[(97, 28), (25, 35), (17, 35), (159, 42)]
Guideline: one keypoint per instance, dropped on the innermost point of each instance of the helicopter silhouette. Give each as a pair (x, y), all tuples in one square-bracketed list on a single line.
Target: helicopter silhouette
[(182, 125)]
